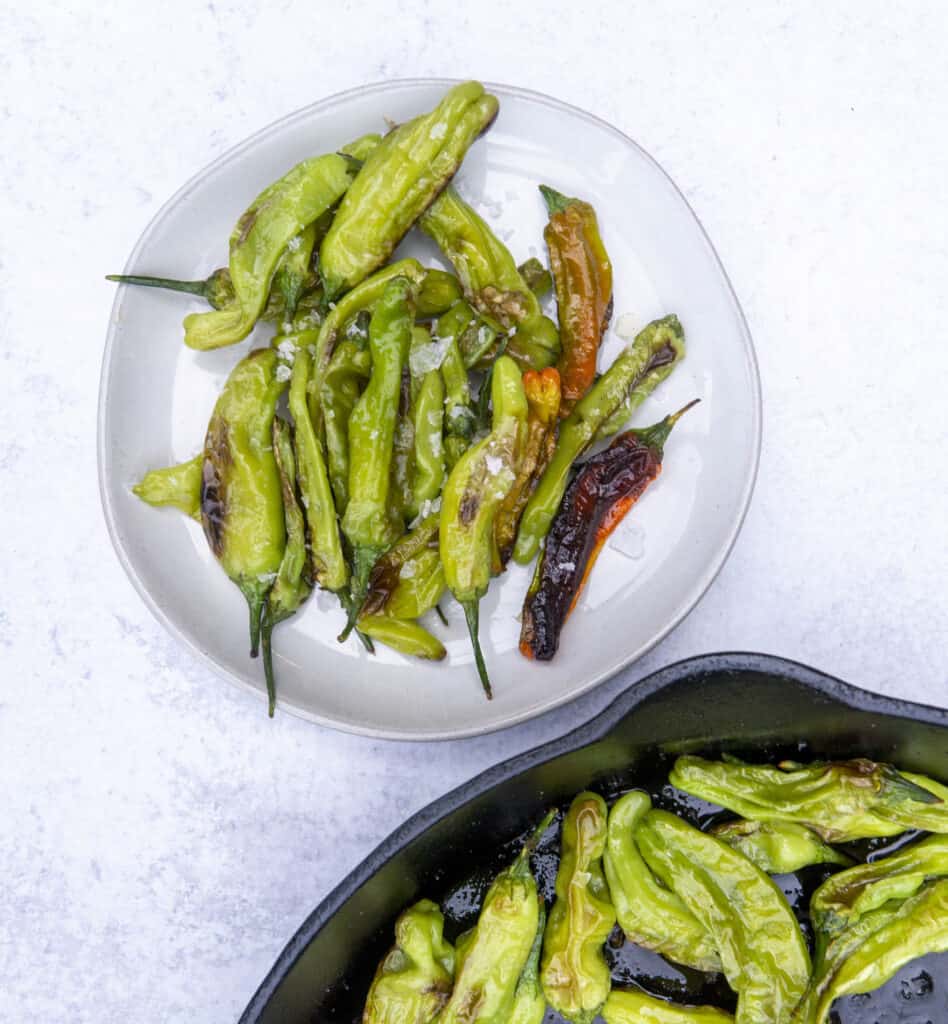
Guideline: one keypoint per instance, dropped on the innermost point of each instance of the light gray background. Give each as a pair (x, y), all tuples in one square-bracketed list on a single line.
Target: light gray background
[(159, 838)]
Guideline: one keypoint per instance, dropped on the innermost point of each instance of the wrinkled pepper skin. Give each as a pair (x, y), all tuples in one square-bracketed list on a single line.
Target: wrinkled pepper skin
[(402, 635), (841, 800), (538, 279), (348, 370), (178, 485), (408, 580), (492, 283), (582, 276), (596, 501), (472, 495), (660, 345), (763, 954), (241, 503), (438, 293), (574, 973), (414, 980), (649, 914), (543, 402), (275, 217), (778, 847), (459, 420), (529, 1006), (397, 183), (294, 272), (634, 1007)]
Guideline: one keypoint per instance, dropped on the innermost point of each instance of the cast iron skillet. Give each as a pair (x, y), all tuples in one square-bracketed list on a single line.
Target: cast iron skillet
[(753, 705)]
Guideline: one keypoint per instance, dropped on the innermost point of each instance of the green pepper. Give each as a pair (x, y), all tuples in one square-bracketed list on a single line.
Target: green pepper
[(459, 421), (491, 280), (274, 218), (290, 589), (628, 1006), (348, 370), (763, 954), (403, 635), (427, 413), (178, 485), (414, 980), (474, 491), (403, 453), (398, 181), (659, 345), (536, 277), (573, 971), (841, 801), (294, 273), (529, 1005), (491, 958), (360, 148), (649, 914), (241, 504), (408, 580), (779, 847), (368, 523), (438, 293)]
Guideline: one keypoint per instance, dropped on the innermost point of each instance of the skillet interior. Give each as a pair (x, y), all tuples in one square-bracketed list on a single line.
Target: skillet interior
[(752, 705)]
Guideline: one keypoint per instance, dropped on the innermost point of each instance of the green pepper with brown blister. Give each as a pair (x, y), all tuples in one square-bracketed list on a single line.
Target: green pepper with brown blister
[(628, 1006), (414, 980), (178, 485), (397, 183), (241, 503), (491, 280), (762, 950), (779, 847), (649, 914), (408, 580), (840, 800)]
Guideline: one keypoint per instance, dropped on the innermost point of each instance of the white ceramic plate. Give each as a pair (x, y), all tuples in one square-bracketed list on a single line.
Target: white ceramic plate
[(156, 397)]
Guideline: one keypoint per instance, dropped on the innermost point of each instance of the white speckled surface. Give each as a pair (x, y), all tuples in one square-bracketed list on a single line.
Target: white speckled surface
[(160, 840)]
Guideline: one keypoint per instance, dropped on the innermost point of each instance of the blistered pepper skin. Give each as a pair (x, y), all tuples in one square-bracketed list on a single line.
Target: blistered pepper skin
[(635, 1007), (529, 1006), (178, 485), (778, 847), (574, 973)]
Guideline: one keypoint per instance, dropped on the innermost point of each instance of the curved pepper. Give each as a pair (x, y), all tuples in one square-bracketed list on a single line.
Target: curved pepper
[(398, 181), (649, 914), (841, 800), (598, 498), (178, 485), (763, 954), (659, 345), (582, 275), (275, 217), (778, 847), (529, 1005), (241, 504), (348, 370), (459, 420), (628, 1006), (491, 280), (402, 635), (573, 970), (474, 491), (408, 580), (414, 980)]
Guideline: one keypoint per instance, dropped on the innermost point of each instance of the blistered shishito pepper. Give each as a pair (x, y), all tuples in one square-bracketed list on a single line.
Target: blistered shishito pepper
[(651, 915), (778, 847), (538, 279), (438, 293), (402, 635), (762, 950), (397, 183), (291, 587), (474, 491), (241, 503), (573, 969), (403, 454), (582, 275), (459, 420), (660, 345), (427, 415), (491, 280), (543, 401), (408, 579), (529, 1005), (178, 485), (599, 496), (629, 1006), (492, 956), (368, 522), (414, 980), (840, 800), (275, 217), (294, 272)]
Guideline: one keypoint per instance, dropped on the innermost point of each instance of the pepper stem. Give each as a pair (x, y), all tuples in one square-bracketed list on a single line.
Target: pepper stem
[(191, 287), (656, 435), (556, 202), (255, 596), (362, 561), (470, 613), (266, 633), (522, 863), (441, 615)]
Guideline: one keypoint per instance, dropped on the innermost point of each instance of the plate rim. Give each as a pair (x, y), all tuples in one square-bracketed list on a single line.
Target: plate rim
[(698, 589)]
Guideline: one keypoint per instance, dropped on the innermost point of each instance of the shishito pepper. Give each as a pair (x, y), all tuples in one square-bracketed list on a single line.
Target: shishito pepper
[(582, 275), (650, 914), (643, 365), (491, 280), (778, 847), (178, 485), (241, 503), (438, 293), (472, 495), (840, 800), (573, 970), (529, 1005), (414, 980), (294, 273), (459, 421), (403, 635), (762, 950), (600, 495), (275, 217), (397, 183), (629, 1006), (427, 417), (408, 580)]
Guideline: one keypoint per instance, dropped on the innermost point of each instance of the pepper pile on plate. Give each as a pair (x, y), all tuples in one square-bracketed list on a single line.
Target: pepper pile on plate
[(703, 899), (434, 418)]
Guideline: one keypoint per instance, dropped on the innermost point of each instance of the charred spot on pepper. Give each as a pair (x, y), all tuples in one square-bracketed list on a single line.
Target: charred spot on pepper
[(607, 315), (217, 458), (467, 511)]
